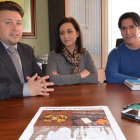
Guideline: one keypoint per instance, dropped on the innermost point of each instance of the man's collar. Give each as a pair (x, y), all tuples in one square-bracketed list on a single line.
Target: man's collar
[(6, 46)]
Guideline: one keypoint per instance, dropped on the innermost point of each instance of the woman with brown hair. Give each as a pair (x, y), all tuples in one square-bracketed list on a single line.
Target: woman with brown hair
[(70, 63)]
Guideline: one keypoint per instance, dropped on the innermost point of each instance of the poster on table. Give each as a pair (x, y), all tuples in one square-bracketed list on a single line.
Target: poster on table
[(73, 123)]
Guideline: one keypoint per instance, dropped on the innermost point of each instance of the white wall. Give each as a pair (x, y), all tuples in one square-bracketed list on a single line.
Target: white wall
[(115, 9)]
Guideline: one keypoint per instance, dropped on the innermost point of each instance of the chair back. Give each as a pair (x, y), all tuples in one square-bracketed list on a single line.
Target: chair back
[(119, 41)]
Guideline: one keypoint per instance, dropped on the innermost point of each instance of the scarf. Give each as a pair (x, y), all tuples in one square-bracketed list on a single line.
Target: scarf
[(73, 59)]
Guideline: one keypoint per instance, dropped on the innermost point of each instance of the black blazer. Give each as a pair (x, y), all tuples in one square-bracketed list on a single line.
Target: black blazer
[(10, 86)]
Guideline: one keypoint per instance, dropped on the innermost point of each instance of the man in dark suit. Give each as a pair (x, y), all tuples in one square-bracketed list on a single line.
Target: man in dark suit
[(20, 76)]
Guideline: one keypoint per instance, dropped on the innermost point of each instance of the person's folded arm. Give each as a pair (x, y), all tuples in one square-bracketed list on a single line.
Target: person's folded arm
[(93, 77), (60, 79), (68, 79), (65, 79)]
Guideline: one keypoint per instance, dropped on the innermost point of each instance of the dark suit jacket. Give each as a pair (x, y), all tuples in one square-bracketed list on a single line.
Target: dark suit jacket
[(10, 86)]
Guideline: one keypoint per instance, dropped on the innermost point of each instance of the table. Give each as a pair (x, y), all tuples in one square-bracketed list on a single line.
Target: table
[(16, 114)]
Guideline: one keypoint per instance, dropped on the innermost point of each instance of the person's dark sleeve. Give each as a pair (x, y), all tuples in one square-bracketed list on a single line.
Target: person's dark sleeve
[(10, 91)]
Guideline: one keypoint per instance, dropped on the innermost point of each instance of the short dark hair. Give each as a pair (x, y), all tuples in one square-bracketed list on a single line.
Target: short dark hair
[(79, 41), (11, 6), (134, 16)]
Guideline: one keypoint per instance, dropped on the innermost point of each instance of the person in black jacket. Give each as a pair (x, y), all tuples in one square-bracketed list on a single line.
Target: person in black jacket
[(26, 79)]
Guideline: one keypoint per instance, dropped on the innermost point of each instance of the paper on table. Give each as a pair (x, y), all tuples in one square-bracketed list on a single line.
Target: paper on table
[(73, 123)]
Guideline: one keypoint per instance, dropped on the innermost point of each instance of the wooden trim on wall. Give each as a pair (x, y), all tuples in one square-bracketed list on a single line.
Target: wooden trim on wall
[(101, 75), (33, 33), (102, 34), (66, 9)]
